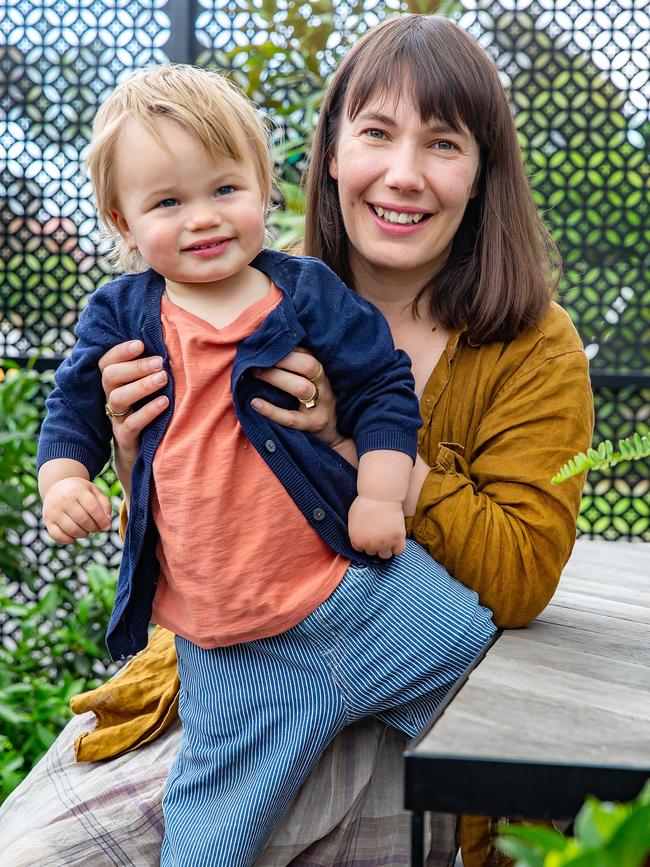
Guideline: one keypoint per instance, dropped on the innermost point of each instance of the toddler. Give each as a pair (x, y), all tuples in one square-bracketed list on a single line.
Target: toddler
[(257, 545)]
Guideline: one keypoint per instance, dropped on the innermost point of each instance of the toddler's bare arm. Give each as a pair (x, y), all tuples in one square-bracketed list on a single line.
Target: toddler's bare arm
[(376, 517)]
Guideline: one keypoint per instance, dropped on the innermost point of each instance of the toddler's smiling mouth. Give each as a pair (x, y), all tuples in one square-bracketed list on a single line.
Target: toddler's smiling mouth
[(208, 244)]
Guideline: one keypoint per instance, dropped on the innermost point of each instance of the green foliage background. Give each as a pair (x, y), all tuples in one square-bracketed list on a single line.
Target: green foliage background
[(56, 647), (606, 835)]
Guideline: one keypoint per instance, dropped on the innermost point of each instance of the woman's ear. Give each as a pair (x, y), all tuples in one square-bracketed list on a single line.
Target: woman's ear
[(123, 228), (333, 168)]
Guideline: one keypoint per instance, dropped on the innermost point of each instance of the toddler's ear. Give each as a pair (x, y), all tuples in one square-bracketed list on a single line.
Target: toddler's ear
[(123, 228)]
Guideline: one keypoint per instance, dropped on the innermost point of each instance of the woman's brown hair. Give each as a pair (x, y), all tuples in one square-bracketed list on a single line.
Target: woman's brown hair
[(503, 268)]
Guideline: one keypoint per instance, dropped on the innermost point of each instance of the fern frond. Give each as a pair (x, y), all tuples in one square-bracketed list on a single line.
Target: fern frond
[(631, 448)]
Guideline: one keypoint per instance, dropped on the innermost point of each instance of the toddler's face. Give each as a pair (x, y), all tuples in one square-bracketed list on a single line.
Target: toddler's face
[(194, 219)]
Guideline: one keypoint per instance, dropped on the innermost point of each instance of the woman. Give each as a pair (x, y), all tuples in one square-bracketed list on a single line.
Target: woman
[(417, 198)]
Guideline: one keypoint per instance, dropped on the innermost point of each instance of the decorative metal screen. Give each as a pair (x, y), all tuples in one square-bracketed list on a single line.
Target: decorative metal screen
[(579, 80), (57, 62)]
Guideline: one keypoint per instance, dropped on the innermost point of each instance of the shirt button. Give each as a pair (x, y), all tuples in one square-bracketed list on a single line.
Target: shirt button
[(269, 445), (318, 514)]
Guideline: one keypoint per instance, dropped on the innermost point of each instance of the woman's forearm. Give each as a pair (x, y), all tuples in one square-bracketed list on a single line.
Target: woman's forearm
[(418, 475), (123, 468)]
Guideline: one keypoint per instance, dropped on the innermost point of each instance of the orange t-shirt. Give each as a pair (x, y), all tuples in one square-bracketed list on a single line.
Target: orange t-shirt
[(238, 559)]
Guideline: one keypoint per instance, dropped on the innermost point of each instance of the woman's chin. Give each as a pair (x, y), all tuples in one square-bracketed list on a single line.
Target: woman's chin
[(395, 261)]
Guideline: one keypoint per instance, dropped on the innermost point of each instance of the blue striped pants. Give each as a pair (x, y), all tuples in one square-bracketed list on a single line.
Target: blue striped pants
[(389, 642)]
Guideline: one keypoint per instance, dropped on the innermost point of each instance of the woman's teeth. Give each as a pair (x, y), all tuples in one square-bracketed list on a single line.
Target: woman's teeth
[(398, 217)]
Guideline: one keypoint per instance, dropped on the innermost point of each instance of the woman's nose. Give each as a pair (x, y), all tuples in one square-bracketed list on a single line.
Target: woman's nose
[(404, 171)]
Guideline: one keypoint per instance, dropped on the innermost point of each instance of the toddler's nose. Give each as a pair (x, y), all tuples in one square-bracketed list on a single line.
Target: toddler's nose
[(202, 217)]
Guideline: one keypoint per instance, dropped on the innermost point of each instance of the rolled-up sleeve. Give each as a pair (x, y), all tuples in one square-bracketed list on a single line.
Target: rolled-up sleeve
[(492, 516)]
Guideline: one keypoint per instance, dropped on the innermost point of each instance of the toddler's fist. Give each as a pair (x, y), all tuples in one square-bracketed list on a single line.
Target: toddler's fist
[(377, 527), (73, 508)]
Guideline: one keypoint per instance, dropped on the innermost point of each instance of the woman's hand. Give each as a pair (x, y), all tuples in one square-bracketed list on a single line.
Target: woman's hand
[(297, 373), (127, 379)]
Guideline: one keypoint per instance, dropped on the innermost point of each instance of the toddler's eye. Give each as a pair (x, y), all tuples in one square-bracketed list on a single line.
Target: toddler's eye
[(167, 203), (225, 190)]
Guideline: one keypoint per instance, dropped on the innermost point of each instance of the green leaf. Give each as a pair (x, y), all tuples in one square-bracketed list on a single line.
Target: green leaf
[(524, 854), (45, 735), (545, 839), (11, 715), (630, 843), (597, 821)]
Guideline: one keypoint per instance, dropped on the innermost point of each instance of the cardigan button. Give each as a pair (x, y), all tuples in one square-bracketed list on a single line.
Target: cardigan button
[(270, 446), (318, 514)]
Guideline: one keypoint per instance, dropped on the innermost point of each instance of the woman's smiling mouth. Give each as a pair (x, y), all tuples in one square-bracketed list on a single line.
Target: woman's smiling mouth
[(404, 218), (398, 221)]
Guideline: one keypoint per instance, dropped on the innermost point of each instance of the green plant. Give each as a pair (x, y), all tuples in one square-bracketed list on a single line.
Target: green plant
[(632, 448), (56, 651), (19, 422), (606, 835), (52, 647)]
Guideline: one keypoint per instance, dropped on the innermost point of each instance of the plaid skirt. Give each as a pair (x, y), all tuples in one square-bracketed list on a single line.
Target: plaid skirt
[(348, 813)]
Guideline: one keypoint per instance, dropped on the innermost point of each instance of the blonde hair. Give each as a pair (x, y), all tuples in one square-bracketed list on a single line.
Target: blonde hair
[(203, 102)]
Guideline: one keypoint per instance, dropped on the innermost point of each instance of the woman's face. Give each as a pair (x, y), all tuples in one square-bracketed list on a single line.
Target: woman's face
[(403, 187)]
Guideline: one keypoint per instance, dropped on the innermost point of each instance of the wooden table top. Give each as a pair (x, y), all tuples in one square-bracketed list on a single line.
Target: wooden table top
[(571, 691)]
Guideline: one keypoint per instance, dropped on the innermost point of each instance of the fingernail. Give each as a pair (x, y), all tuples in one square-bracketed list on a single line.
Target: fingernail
[(155, 363), (160, 378), (256, 404), (161, 401), (134, 345)]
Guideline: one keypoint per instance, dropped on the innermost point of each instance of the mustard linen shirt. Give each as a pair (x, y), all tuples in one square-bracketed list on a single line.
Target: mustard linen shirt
[(498, 422)]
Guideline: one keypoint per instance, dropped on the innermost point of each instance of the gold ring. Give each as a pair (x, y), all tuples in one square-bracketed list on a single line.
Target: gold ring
[(318, 376), (112, 414), (311, 402)]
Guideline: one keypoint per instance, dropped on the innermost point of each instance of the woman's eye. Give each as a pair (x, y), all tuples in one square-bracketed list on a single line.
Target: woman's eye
[(445, 145), (225, 190), (375, 133), (167, 203)]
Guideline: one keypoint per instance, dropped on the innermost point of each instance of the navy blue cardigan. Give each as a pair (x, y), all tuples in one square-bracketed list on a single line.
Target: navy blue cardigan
[(376, 405)]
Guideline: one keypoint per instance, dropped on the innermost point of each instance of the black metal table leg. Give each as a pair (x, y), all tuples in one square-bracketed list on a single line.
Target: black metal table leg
[(417, 840)]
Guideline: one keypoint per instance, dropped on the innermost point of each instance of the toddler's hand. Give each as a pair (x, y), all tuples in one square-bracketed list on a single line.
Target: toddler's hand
[(73, 508), (376, 527)]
